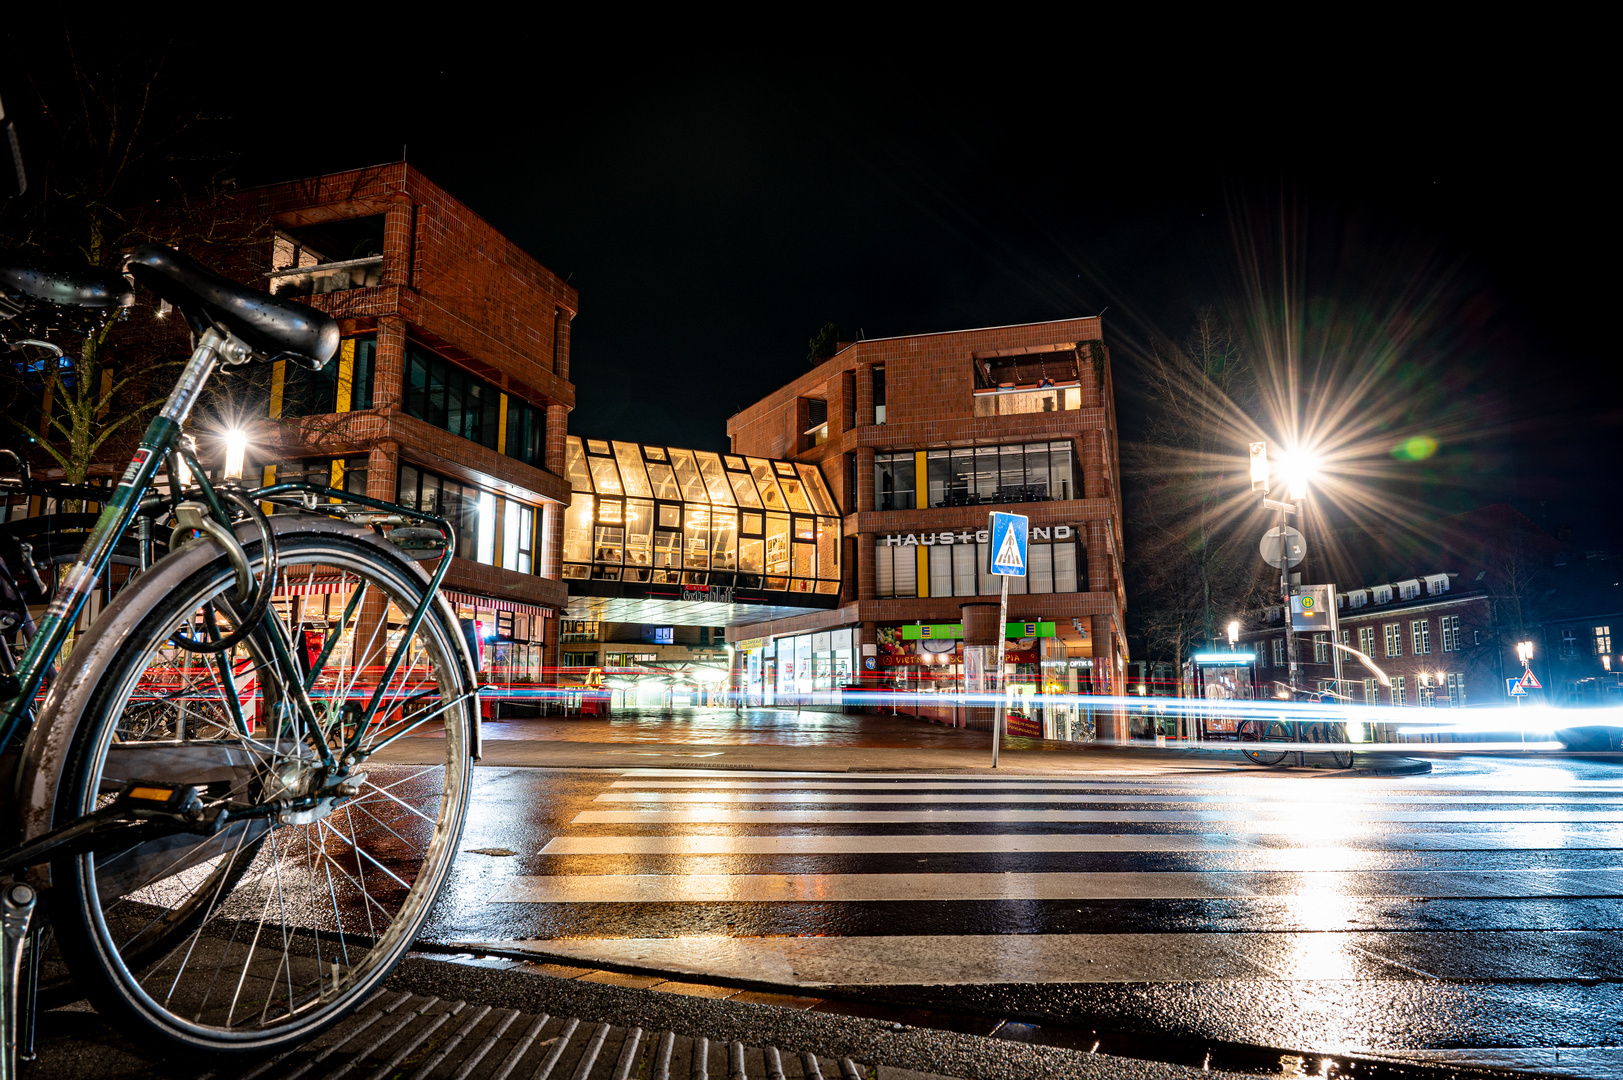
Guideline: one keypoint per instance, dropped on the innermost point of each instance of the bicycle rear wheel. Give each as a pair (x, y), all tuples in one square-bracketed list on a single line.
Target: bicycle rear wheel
[(1263, 731), (262, 935), (1326, 732)]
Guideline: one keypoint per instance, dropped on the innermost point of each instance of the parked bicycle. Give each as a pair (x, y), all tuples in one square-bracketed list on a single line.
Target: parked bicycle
[(1331, 734), (225, 863)]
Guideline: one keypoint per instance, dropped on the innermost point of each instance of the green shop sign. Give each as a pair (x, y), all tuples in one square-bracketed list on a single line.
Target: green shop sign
[(955, 631)]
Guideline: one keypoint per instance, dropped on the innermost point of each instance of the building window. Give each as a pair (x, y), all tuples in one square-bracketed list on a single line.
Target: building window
[(1569, 644), (490, 529), (1279, 652), (1372, 692), (1603, 640), (345, 474), (1452, 642), (344, 384), (1456, 690), (894, 481), (1366, 640), (330, 257), (1394, 638), (1031, 383), (442, 394), (989, 475), (1420, 634), (957, 567), (577, 630), (1321, 648), (579, 659), (816, 433), (1428, 692), (1398, 691), (879, 393)]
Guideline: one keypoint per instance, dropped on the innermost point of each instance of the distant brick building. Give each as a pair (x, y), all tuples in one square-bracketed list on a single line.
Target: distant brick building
[(451, 390), (919, 437)]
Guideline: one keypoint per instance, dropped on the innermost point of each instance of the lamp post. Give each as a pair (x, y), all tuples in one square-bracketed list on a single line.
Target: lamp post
[(1234, 633), (1296, 476)]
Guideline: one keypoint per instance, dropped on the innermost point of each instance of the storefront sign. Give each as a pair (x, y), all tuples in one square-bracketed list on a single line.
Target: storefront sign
[(1036, 534), (955, 631), (714, 593)]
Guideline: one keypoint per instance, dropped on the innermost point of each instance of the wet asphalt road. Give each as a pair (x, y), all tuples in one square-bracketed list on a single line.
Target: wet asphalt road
[(1478, 907)]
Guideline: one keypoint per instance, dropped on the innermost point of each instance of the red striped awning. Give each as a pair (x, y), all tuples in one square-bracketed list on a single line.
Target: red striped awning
[(474, 600)]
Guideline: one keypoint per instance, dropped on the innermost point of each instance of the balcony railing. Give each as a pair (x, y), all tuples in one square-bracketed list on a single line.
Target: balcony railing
[(327, 277)]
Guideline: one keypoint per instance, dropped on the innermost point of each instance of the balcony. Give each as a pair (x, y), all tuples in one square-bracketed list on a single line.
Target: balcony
[(321, 278)]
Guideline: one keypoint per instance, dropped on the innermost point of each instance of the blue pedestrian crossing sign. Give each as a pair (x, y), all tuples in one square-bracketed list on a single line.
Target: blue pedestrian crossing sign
[(1514, 688), (1008, 548)]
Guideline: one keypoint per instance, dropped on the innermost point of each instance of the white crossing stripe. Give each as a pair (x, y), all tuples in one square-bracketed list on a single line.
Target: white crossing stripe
[(1132, 885), (885, 794), (1322, 816), (1104, 958), (1288, 846)]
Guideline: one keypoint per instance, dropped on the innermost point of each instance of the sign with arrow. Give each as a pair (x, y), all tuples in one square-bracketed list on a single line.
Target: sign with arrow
[(1008, 547)]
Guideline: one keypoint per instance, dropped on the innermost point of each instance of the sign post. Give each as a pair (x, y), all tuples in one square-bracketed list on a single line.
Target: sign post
[(1007, 557)]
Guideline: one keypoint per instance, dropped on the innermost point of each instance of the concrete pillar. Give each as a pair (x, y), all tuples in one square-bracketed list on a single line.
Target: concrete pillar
[(399, 224), (863, 415), (981, 628)]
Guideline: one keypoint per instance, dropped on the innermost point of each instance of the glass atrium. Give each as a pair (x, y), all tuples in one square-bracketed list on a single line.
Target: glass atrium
[(655, 517)]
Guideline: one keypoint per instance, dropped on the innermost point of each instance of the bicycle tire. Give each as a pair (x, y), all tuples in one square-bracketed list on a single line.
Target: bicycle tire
[(1326, 732), (329, 951), (1263, 731)]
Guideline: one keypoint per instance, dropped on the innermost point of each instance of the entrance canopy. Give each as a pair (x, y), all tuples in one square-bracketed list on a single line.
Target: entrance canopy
[(688, 537)]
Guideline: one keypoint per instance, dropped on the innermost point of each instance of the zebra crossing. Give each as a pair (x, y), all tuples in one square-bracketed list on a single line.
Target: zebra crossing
[(918, 879)]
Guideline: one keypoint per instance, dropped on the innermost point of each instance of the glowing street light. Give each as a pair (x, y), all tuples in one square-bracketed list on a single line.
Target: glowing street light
[(236, 453), (1524, 651), (1299, 468), (1259, 467), (1234, 632)]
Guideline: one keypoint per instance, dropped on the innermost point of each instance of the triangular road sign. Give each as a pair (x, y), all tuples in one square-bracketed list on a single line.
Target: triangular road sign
[(1008, 553), (1529, 682)]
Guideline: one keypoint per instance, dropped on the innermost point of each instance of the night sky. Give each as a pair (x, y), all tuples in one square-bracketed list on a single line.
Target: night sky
[(713, 217)]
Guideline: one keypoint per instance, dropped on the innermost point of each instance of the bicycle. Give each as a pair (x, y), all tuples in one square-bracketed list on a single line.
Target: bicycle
[(1331, 733), (226, 868)]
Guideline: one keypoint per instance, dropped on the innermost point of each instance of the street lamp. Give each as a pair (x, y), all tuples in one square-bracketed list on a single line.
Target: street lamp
[(1524, 651), (236, 453), (1234, 634)]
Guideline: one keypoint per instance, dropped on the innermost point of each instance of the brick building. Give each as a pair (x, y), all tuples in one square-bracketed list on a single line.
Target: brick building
[(918, 438), (451, 390)]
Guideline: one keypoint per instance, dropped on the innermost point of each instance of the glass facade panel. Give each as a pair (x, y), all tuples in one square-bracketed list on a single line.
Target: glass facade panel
[(664, 481), (715, 482), (940, 571), (771, 497), (816, 490), (1065, 576), (639, 532), (963, 569), (687, 475), (724, 539), (828, 549), (578, 530), (750, 556), (696, 538), (575, 466), (605, 477), (444, 395), (744, 489), (1041, 570), (632, 474), (940, 476), (794, 495), (777, 543)]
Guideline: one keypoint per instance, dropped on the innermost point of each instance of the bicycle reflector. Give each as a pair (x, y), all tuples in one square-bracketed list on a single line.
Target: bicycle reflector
[(156, 795)]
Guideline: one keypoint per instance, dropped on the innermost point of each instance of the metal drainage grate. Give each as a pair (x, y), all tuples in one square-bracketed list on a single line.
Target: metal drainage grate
[(409, 1037)]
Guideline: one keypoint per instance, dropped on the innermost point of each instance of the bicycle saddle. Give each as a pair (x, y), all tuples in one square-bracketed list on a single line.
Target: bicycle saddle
[(82, 287), (275, 328)]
